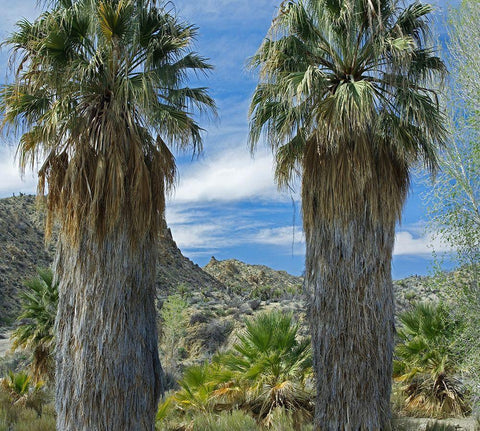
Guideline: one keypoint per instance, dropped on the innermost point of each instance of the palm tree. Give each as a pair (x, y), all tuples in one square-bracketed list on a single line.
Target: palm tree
[(347, 100), (99, 95), (427, 362), (36, 322)]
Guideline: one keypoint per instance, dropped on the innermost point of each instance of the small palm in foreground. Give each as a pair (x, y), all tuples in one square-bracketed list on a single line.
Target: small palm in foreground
[(36, 328), (268, 368), (272, 366), (198, 384), (426, 363), (21, 391)]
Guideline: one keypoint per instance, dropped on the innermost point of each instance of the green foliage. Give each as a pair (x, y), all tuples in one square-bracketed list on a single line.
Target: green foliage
[(265, 293), (18, 418), (36, 322), (20, 392), (427, 363), (99, 97), (17, 384), (267, 368), (198, 385), (235, 420), (454, 202), (323, 82), (173, 330)]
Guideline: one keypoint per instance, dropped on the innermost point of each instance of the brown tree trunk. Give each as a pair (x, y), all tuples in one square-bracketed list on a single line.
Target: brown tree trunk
[(108, 374), (350, 206)]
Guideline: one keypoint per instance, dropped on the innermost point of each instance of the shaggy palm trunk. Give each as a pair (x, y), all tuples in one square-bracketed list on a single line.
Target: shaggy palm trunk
[(108, 375), (350, 227)]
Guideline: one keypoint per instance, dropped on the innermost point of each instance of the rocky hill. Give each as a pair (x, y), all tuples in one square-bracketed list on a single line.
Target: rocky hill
[(254, 280), (228, 284), (23, 249)]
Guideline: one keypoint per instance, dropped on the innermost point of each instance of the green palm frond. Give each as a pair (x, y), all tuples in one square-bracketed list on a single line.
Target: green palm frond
[(35, 330), (97, 82), (269, 366), (345, 72), (426, 363)]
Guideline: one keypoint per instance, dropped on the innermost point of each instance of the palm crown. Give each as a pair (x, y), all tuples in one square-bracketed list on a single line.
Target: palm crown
[(340, 76), (99, 93)]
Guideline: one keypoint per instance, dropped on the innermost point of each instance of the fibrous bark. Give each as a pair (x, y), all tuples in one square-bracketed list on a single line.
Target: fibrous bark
[(348, 277), (108, 374)]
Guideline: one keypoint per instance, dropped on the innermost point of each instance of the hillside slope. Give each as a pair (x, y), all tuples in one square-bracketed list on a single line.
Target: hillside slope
[(22, 250)]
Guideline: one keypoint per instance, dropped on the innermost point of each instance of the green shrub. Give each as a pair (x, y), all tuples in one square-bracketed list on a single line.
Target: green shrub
[(172, 334), (267, 368), (426, 363), (18, 390), (265, 293), (235, 420)]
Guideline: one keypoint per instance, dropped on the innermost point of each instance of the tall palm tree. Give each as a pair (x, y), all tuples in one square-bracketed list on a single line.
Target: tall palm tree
[(36, 322), (99, 93), (347, 100)]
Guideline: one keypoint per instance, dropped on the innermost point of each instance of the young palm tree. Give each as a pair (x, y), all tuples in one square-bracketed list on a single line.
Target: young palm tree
[(427, 362), (99, 92), (347, 101), (36, 329), (268, 368)]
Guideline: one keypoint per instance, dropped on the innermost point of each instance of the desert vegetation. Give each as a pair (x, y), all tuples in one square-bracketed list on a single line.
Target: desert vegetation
[(351, 99)]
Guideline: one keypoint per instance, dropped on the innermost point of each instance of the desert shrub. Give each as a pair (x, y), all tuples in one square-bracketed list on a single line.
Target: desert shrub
[(212, 334), (283, 420), (29, 421), (265, 293), (22, 392), (426, 363), (172, 334), (231, 268)]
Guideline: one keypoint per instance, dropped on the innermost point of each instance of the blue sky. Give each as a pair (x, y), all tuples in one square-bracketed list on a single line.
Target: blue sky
[(225, 203)]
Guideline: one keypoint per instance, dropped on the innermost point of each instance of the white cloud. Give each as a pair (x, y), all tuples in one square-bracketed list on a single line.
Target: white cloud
[(285, 235), (231, 175), (407, 244), (10, 179), (198, 236)]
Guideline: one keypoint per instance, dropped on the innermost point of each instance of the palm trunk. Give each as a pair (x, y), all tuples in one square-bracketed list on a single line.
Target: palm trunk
[(108, 374), (350, 209)]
